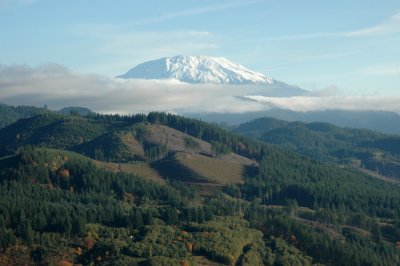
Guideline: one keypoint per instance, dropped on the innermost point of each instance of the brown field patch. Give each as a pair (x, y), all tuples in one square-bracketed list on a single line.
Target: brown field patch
[(140, 169), (133, 145), (215, 170), (174, 139)]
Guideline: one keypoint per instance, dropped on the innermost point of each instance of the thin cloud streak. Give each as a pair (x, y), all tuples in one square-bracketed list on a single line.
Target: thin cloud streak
[(381, 70), (120, 45), (197, 11), (305, 36), (387, 27), (16, 3), (391, 25)]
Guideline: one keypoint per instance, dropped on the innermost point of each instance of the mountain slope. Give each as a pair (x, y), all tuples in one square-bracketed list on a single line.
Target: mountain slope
[(197, 69)]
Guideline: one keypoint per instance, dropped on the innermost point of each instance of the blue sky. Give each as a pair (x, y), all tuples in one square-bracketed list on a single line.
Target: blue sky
[(350, 46)]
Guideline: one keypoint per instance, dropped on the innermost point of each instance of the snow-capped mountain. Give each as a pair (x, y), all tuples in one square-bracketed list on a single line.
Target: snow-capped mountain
[(214, 70), (197, 69)]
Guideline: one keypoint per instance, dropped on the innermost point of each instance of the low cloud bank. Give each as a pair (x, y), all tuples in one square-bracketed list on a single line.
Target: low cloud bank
[(318, 103), (56, 86)]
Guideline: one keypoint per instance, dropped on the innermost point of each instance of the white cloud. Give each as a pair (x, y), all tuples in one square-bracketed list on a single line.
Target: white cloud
[(306, 103), (58, 87)]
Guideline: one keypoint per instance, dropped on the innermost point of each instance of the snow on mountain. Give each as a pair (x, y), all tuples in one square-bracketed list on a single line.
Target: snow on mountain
[(197, 69), (212, 70)]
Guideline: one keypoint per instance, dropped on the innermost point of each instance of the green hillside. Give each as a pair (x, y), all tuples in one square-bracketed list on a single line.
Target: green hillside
[(11, 114), (161, 189), (357, 148)]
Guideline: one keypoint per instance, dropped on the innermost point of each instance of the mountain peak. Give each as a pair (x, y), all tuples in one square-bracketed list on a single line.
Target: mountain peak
[(197, 69)]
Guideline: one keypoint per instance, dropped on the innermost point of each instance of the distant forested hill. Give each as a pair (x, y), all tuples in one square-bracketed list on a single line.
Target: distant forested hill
[(10, 114), (161, 189), (380, 121), (83, 111), (360, 148)]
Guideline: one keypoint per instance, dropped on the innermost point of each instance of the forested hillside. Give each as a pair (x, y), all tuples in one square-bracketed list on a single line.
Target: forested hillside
[(11, 114), (381, 121), (162, 189), (362, 149)]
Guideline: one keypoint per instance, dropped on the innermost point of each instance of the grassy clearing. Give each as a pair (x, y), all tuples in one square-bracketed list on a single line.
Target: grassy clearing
[(175, 140), (214, 169), (133, 145), (140, 169)]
